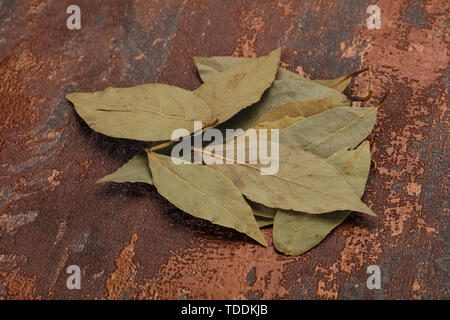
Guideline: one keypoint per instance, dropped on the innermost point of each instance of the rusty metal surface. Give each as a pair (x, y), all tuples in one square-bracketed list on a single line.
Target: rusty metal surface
[(129, 242)]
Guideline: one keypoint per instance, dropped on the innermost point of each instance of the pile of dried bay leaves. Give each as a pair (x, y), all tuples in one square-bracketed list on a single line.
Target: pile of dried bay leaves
[(324, 161)]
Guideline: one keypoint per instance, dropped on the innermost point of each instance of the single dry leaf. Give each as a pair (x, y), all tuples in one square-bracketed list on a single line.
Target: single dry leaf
[(330, 131), (204, 193), (240, 86), (208, 68), (149, 112), (295, 232)]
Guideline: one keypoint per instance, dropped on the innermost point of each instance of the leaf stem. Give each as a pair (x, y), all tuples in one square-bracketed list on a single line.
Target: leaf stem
[(351, 75)]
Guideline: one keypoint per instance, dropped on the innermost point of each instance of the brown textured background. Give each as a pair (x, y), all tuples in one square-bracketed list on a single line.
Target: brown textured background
[(129, 241)]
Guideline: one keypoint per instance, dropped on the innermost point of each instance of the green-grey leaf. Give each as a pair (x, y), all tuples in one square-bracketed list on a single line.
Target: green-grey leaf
[(281, 92), (135, 170), (148, 112), (208, 68), (335, 129), (295, 232), (304, 182), (240, 86), (203, 193)]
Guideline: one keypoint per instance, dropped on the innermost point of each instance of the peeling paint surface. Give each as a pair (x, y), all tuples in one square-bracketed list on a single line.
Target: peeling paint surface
[(129, 242)]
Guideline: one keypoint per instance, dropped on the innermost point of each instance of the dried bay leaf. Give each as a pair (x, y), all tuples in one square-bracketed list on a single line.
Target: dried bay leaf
[(148, 112), (330, 131), (135, 170), (304, 182), (295, 232), (204, 193), (208, 68), (281, 92), (240, 86)]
